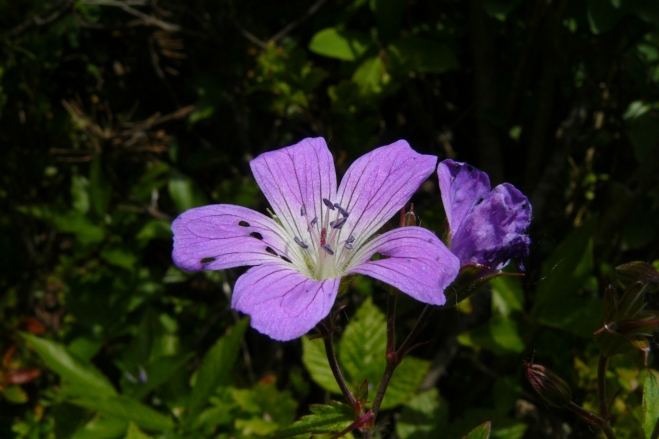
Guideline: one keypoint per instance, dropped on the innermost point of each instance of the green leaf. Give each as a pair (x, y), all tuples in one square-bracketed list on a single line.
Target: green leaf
[(341, 44), (154, 229), (158, 372), (85, 377), (100, 189), (120, 257), (15, 395), (564, 272), (480, 432), (371, 76), (499, 335), (79, 194), (423, 55), (363, 345), (405, 382), (423, 417), (135, 433), (102, 427), (315, 360), (214, 370), (324, 418), (71, 221), (650, 413), (507, 294), (184, 191), (128, 409)]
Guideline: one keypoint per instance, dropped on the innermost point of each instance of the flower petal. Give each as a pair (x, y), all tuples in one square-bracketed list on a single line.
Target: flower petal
[(378, 185), (462, 187), (223, 236), (494, 232), (283, 303), (296, 176), (415, 261)]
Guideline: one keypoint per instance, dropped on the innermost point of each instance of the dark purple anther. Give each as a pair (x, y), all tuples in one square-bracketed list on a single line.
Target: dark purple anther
[(339, 223), (342, 210), (303, 210), (350, 240), (348, 246), (328, 203), (327, 248), (300, 243), (314, 221)]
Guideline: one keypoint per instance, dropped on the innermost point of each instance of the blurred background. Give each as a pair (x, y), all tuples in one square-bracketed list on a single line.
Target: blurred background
[(117, 115)]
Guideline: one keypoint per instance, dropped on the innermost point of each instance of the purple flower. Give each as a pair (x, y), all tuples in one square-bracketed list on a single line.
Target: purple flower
[(486, 227), (319, 234)]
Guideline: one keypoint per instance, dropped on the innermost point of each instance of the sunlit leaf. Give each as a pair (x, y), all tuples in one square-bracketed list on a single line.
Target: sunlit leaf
[(315, 360), (480, 432), (650, 403), (333, 417), (341, 44)]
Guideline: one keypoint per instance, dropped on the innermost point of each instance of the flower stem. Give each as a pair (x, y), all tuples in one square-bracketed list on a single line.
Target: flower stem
[(394, 357), (334, 365), (601, 387), (592, 419)]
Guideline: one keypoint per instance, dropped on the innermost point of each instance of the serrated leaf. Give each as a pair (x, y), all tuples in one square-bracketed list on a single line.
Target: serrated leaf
[(84, 376), (341, 44), (405, 382), (333, 417), (650, 413), (423, 417), (315, 360), (128, 409), (480, 432), (214, 370), (363, 345)]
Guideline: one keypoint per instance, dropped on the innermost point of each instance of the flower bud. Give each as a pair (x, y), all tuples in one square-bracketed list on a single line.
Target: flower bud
[(552, 388)]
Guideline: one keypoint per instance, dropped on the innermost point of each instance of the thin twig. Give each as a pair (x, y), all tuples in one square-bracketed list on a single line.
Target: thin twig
[(295, 23), (47, 17), (148, 19)]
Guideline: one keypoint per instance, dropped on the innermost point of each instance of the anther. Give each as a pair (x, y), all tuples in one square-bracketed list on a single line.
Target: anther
[(303, 210), (350, 240), (328, 203), (348, 246), (300, 243), (314, 221), (342, 210), (339, 223), (327, 248)]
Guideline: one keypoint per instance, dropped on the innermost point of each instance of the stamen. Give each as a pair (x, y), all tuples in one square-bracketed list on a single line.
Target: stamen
[(342, 210), (339, 223), (327, 248), (300, 243), (303, 210), (328, 203), (350, 240), (314, 221), (348, 246)]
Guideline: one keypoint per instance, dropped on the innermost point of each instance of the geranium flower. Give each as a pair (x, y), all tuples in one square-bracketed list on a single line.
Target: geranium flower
[(319, 235), (486, 228)]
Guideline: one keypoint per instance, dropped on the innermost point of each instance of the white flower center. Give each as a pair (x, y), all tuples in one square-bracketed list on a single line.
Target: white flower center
[(320, 249)]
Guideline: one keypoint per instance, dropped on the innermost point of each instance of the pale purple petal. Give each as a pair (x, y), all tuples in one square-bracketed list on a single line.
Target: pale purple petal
[(494, 232), (298, 175), (414, 260), (223, 236), (283, 303), (462, 187), (378, 185)]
